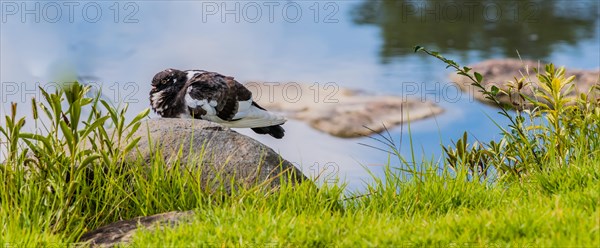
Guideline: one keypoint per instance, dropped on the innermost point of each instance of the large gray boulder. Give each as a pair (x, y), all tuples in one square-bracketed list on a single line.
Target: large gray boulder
[(220, 153)]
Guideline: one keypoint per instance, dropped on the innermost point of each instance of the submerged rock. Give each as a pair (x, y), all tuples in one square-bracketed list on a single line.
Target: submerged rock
[(339, 111), (498, 72), (219, 152)]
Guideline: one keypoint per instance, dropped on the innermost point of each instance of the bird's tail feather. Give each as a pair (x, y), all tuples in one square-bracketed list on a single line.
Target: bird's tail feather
[(275, 131), (255, 118)]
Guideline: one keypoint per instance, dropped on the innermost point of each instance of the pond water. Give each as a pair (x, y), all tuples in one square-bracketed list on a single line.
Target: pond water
[(366, 45)]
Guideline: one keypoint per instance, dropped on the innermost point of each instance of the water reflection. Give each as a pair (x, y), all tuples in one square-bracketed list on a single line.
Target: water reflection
[(492, 27)]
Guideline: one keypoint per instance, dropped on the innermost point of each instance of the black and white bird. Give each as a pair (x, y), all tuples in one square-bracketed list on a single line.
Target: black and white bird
[(213, 97)]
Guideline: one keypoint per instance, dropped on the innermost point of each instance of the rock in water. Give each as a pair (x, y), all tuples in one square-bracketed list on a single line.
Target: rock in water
[(219, 152), (498, 72), (340, 111)]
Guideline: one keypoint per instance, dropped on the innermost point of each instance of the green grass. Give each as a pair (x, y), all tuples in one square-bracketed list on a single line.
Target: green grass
[(537, 186), (459, 214)]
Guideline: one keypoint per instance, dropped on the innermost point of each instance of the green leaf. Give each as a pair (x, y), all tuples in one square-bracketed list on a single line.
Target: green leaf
[(37, 137), (89, 159), (111, 111), (75, 113), (133, 129), (131, 145), (32, 146), (495, 90), (139, 117), (46, 111), (452, 63), (71, 140), (97, 123), (418, 48), (478, 77)]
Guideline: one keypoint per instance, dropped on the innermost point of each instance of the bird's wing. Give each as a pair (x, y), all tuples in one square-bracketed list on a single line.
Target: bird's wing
[(215, 97), (256, 116)]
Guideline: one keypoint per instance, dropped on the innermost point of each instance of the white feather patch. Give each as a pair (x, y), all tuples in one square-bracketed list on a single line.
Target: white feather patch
[(243, 108), (156, 99), (192, 73), (194, 103)]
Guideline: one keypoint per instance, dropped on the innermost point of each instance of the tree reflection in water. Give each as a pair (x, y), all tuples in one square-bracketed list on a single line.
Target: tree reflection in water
[(490, 27)]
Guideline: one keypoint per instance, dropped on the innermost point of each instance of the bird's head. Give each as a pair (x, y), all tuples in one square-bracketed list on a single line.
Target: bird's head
[(165, 87), (169, 77)]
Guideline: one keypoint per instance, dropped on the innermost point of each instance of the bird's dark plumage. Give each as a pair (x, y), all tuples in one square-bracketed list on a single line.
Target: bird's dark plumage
[(213, 97)]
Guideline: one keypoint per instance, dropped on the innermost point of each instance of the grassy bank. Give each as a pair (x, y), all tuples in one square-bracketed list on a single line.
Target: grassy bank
[(441, 212), (537, 186)]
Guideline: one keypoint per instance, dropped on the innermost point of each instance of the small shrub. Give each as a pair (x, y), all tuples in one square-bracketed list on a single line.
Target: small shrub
[(559, 131), (55, 176)]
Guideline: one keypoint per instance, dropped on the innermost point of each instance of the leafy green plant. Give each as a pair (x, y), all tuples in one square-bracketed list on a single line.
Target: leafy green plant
[(555, 132), (474, 158), (56, 168)]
